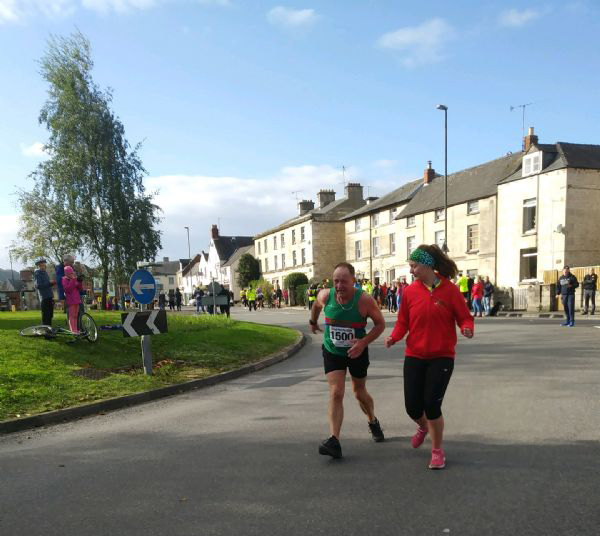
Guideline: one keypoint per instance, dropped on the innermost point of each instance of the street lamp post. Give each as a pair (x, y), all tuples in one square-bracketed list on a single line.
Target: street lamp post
[(445, 108), (188, 236)]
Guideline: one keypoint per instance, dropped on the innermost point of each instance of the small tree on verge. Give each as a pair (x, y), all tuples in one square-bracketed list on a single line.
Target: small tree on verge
[(93, 179), (248, 270)]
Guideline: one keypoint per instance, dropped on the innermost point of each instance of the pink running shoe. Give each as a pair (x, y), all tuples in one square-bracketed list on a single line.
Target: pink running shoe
[(417, 440), (438, 460)]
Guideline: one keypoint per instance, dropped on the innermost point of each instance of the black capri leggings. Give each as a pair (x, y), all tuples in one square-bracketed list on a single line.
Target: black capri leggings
[(425, 382)]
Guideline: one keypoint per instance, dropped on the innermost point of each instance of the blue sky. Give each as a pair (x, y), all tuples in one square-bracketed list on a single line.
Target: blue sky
[(240, 103)]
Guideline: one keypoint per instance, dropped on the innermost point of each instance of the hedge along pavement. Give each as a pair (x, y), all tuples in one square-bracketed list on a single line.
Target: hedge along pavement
[(77, 412)]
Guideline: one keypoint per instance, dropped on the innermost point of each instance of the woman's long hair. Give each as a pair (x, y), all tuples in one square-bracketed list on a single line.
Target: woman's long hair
[(443, 264)]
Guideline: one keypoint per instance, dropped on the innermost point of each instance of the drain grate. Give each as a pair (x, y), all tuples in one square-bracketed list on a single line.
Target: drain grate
[(90, 373)]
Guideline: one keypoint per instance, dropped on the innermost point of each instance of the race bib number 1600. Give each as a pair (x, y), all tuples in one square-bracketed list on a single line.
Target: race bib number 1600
[(341, 337)]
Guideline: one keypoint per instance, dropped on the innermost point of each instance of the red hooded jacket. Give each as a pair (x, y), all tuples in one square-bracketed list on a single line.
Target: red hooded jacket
[(430, 318)]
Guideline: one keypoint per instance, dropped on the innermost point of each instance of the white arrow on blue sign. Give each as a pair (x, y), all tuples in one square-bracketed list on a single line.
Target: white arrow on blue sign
[(143, 286)]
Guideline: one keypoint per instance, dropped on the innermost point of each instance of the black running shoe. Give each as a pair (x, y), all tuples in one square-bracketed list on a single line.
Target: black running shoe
[(331, 447), (376, 431)]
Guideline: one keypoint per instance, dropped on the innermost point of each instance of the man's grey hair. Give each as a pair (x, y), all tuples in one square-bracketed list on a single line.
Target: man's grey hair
[(68, 257)]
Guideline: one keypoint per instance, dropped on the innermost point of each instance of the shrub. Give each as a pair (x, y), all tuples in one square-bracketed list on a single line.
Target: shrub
[(301, 294), (294, 280)]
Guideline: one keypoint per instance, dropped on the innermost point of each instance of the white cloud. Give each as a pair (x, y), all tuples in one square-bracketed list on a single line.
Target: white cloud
[(16, 10), (385, 164), (35, 150), (291, 18), (120, 6), (514, 18), (419, 45), (242, 206)]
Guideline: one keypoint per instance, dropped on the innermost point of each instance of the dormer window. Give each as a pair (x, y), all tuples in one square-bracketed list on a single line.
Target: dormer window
[(532, 163)]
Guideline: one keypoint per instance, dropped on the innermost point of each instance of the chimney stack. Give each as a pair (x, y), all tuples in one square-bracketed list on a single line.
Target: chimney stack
[(530, 139), (165, 259), (305, 206), (354, 191), (429, 174), (325, 197), (214, 232)]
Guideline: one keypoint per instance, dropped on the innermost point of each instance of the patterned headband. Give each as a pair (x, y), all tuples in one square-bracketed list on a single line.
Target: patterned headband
[(422, 257)]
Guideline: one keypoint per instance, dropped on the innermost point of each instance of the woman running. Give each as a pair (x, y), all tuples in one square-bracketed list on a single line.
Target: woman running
[(430, 308)]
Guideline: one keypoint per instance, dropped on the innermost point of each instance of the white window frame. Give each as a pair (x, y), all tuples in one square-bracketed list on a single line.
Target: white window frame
[(473, 207), (472, 239), (303, 256), (438, 214), (532, 164), (266, 244), (302, 234), (411, 245), (358, 249), (293, 236), (357, 224), (393, 213), (275, 262), (529, 204), (375, 246), (274, 242), (411, 221), (294, 258), (392, 243), (438, 235), (283, 261), (375, 219), (282, 240)]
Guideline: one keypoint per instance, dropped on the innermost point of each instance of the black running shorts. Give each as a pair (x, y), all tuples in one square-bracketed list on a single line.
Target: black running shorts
[(357, 367)]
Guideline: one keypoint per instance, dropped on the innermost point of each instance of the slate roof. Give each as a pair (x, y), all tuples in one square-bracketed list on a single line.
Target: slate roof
[(561, 155), (238, 253), (334, 211), (226, 245), (399, 195), (469, 184)]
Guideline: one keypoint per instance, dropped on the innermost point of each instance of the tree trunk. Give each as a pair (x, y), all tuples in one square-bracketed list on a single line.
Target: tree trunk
[(104, 286)]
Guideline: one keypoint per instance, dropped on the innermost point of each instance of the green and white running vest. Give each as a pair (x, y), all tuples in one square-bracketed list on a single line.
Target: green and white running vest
[(343, 324)]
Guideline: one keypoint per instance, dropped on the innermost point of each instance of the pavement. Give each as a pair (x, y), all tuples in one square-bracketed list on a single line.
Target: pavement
[(240, 457)]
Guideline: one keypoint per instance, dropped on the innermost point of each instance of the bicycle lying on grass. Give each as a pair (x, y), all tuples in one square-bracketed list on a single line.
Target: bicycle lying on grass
[(87, 326)]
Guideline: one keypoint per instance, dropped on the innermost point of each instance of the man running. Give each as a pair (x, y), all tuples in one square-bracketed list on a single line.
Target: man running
[(345, 346)]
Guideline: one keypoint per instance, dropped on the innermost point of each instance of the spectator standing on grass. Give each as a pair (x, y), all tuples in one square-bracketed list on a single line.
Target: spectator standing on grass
[(567, 283), (45, 293), (162, 300), (590, 284), (67, 260), (431, 309), (178, 299), (279, 294), (72, 287), (171, 299), (488, 292)]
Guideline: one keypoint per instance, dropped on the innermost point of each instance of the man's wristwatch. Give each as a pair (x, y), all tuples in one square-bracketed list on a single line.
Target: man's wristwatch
[(312, 322)]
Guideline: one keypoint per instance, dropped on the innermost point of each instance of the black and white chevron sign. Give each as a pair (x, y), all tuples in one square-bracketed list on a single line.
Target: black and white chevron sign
[(144, 323)]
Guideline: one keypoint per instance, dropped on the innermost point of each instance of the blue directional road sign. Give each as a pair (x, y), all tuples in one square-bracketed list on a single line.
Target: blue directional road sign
[(143, 286)]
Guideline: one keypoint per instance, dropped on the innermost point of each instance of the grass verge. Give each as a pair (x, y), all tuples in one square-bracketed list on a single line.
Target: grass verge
[(36, 375)]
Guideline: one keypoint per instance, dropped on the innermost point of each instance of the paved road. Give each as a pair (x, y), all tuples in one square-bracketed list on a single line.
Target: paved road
[(523, 449)]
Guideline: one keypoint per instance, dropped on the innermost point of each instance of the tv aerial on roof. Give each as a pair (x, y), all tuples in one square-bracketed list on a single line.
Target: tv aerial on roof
[(522, 106)]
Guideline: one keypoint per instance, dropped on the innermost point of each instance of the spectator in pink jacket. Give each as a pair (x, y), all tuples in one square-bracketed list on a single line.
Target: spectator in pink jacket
[(72, 287), (477, 297)]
